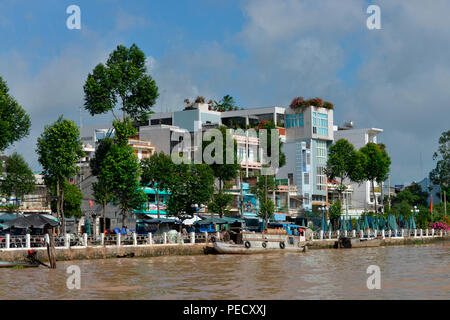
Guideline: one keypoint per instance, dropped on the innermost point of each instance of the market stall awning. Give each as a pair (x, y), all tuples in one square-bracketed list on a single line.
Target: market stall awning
[(31, 221), (213, 220)]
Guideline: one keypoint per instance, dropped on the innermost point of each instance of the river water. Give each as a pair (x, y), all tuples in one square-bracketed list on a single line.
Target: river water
[(407, 272)]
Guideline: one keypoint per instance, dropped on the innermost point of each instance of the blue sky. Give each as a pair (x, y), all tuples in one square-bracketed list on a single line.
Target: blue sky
[(261, 52)]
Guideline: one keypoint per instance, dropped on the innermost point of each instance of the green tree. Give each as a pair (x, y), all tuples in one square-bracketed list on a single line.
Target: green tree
[(158, 173), (19, 180), (375, 163), (223, 171), (261, 188), (122, 81), (102, 188), (121, 170), (192, 184), (269, 125), (102, 195), (72, 200), (226, 104), (59, 149), (335, 212), (343, 163), (440, 175), (14, 121)]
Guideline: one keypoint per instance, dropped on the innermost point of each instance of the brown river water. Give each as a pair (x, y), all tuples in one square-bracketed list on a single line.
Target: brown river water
[(407, 272)]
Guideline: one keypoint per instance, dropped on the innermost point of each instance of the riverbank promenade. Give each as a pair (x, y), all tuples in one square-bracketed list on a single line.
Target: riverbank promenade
[(71, 247)]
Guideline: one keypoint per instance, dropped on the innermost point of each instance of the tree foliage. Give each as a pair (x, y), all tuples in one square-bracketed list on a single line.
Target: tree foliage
[(15, 123), (72, 200), (158, 173), (375, 164), (343, 162), (440, 175), (19, 179), (59, 149), (120, 168), (123, 79), (269, 126), (227, 103), (192, 184)]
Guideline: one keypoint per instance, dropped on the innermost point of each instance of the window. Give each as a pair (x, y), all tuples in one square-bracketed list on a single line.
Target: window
[(306, 178), (321, 151), (306, 200), (320, 123), (321, 179), (308, 158), (291, 178), (294, 120)]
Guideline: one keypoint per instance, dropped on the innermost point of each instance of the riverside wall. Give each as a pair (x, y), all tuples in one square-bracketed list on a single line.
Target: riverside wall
[(156, 250), (106, 252)]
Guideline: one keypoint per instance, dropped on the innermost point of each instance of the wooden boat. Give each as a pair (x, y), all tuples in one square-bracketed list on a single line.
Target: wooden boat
[(12, 264), (261, 243), (346, 242)]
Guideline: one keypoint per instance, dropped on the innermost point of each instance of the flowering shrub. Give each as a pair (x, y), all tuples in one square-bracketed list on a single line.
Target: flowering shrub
[(328, 105), (439, 226), (200, 99), (300, 104), (316, 102)]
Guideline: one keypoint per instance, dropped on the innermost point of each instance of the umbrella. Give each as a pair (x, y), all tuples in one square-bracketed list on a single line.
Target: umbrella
[(87, 226), (342, 225), (381, 223), (392, 224), (210, 221), (189, 222), (365, 224), (2, 226), (357, 227), (375, 224), (31, 221), (412, 223), (324, 225), (350, 227)]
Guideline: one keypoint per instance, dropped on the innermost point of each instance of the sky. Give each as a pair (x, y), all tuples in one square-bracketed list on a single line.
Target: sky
[(261, 52)]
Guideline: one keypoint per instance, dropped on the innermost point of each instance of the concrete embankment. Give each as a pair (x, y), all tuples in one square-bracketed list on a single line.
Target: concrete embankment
[(105, 252), (329, 243)]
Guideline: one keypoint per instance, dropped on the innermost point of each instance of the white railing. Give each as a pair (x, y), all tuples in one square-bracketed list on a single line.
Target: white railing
[(78, 241)]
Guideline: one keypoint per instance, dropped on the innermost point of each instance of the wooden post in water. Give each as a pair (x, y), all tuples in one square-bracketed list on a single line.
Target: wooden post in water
[(51, 249)]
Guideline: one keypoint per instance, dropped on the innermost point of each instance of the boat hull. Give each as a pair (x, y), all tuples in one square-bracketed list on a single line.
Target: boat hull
[(357, 243), (262, 243), (226, 248), (12, 264)]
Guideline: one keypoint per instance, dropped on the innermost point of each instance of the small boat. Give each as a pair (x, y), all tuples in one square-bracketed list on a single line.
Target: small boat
[(253, 242), (12, 264), (346, 242)]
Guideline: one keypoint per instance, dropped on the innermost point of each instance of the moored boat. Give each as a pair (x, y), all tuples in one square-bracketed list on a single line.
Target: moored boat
[(346, 242), (253, 242), (12, 264)]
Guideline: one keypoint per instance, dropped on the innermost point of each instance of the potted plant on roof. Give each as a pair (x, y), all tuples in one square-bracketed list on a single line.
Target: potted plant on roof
[(200, 99), (298, 104)]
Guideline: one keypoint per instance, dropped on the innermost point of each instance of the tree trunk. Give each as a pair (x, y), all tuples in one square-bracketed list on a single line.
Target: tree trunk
[(124, 218), (157, 202), (266, 215), (104, 215), (242, 194), (62, 212), (58, 203), (374, 198), (51, 250)]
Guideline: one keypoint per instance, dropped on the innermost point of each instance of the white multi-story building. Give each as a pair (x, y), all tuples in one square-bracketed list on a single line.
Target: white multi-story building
[(362, 197)]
